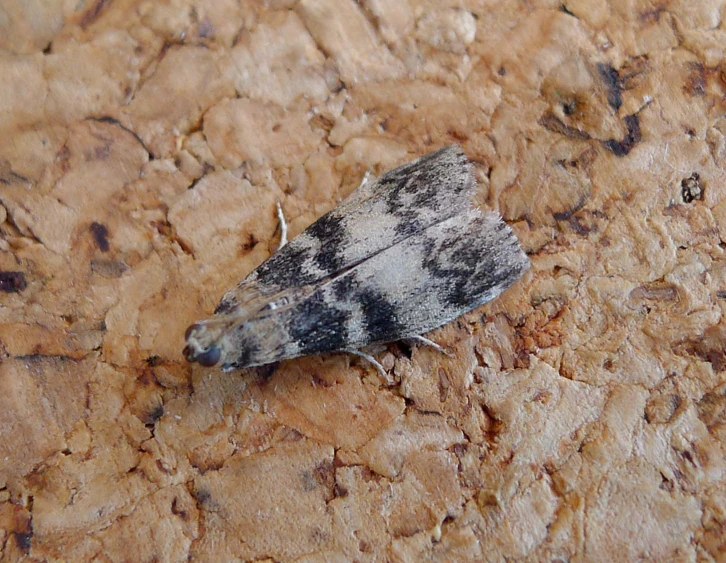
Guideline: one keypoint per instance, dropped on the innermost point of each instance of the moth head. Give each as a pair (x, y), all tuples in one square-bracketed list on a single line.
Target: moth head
[(201, 346), (232, 343)]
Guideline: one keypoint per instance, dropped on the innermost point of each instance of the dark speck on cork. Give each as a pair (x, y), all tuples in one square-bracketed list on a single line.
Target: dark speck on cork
[(100, 235), (12, 282)]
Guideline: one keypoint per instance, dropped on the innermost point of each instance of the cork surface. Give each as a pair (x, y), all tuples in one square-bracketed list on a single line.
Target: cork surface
[(143, 146)]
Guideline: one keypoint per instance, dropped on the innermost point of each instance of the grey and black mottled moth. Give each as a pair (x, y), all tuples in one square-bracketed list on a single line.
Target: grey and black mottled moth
[(403, 255)]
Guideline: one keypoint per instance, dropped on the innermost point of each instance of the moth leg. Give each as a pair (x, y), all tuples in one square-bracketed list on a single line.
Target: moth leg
[(426, 342), (365, 189), (283, 226), (366, 178), (371, 360), (361, 189)]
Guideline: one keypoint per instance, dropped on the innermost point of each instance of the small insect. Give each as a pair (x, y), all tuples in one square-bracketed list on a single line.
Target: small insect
[(403, 255)]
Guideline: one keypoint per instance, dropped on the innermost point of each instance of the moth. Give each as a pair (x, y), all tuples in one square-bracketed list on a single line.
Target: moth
[(403, 255)]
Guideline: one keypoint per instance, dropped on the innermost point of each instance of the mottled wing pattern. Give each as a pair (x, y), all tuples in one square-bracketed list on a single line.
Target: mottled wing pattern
[(402, 256), (403, 201), (410, 288), (379, 214)]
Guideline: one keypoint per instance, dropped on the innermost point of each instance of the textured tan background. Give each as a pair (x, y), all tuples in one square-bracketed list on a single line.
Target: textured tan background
[(142, 148)]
